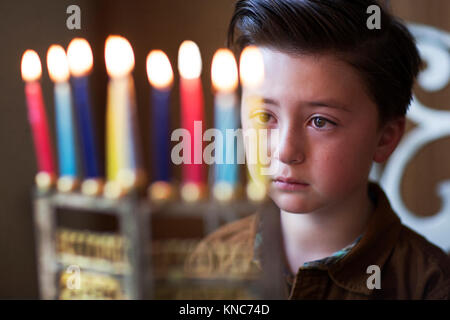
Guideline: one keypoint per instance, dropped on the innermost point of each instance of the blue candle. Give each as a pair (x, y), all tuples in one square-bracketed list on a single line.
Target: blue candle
[(85, 127), (65, 130), (161, 138), (80, 58), (160, 75), (59, 73), (226, 117), (224, 78)]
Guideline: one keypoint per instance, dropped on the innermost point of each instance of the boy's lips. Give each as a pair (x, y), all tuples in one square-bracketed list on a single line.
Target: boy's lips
[(289, 184)]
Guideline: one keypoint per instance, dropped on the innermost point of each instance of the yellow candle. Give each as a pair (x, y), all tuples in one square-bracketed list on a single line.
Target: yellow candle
[(111, 140), (120, 152), (252, 75)]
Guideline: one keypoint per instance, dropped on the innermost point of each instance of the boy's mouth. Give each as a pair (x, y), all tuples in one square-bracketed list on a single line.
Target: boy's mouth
[(288, 184)]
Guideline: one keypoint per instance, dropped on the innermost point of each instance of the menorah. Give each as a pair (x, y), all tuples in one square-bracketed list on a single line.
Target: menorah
[(134, 261), (137, 257)]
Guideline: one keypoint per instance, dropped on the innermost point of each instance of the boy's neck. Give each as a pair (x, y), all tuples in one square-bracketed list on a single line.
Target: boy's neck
[(316, 235)]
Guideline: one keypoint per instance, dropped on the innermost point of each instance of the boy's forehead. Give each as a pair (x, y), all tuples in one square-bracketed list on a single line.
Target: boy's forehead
[(309, 77)]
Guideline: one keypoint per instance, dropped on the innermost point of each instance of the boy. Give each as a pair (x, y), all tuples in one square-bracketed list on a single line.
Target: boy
[(337, 92)]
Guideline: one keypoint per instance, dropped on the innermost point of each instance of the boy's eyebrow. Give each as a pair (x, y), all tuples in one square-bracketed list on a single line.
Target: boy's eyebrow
[(270, 101), (319, 103), (329, 104)]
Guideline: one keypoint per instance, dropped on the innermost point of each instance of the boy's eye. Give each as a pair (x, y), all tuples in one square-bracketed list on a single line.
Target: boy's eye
[(262, 117), (321, 123)]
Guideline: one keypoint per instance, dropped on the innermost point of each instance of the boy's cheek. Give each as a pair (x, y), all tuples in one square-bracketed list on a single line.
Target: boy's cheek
[(341, 171)]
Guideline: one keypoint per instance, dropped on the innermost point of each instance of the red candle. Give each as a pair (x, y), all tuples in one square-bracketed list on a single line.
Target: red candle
[(192, 105), (31, 73)]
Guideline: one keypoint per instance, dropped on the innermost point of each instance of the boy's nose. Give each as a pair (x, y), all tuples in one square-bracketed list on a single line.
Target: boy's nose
[(291, 147)]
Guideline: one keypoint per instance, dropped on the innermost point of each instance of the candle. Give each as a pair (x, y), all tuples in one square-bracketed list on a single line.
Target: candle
[(58, 69), (133, 174), (80, 59), (123, 165), (251, 70), (224, 76), (160, 76), (31, 73), (192, 104)]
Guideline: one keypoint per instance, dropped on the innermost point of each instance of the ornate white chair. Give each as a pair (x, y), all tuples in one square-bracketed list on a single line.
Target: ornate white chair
[(431, 124)]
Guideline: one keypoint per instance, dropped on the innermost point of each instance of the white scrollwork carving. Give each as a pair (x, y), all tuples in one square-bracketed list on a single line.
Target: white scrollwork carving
[(432, 125)]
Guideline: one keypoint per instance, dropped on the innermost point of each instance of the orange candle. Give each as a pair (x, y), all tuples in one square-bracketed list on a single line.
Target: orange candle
[(31, 73)]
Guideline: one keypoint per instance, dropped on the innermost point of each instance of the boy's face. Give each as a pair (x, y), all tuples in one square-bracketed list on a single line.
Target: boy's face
[(328, 130)]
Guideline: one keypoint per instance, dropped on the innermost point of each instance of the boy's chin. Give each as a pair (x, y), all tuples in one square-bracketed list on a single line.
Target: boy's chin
[(290, 202)]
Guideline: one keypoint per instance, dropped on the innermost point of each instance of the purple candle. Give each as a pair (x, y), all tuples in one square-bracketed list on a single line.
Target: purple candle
[(160, 76), (80, 62)]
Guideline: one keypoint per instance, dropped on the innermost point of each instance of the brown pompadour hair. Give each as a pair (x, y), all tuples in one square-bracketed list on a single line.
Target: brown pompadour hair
[(387, 58)]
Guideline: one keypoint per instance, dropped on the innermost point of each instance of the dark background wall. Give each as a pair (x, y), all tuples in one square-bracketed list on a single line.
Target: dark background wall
[(150, 24)]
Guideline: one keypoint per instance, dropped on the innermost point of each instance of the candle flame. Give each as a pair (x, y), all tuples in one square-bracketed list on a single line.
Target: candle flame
[(251, 67), (224, 72), (159, 69), (119, 56), (80, 58), (58, 67), (31, 66), (189, 60)]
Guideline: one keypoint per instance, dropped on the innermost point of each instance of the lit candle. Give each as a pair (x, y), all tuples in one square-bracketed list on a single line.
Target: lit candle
[(58, 69), (192, 104), (160, 76), (124, 170), (80, 59), (31, 73), (251, 70), (224, 76)]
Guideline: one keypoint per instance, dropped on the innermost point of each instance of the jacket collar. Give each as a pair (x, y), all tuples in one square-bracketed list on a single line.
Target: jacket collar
[(349, 273), (374, 248)]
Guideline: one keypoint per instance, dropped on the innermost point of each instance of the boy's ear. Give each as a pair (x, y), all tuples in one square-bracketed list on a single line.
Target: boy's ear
[(390, 135)]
